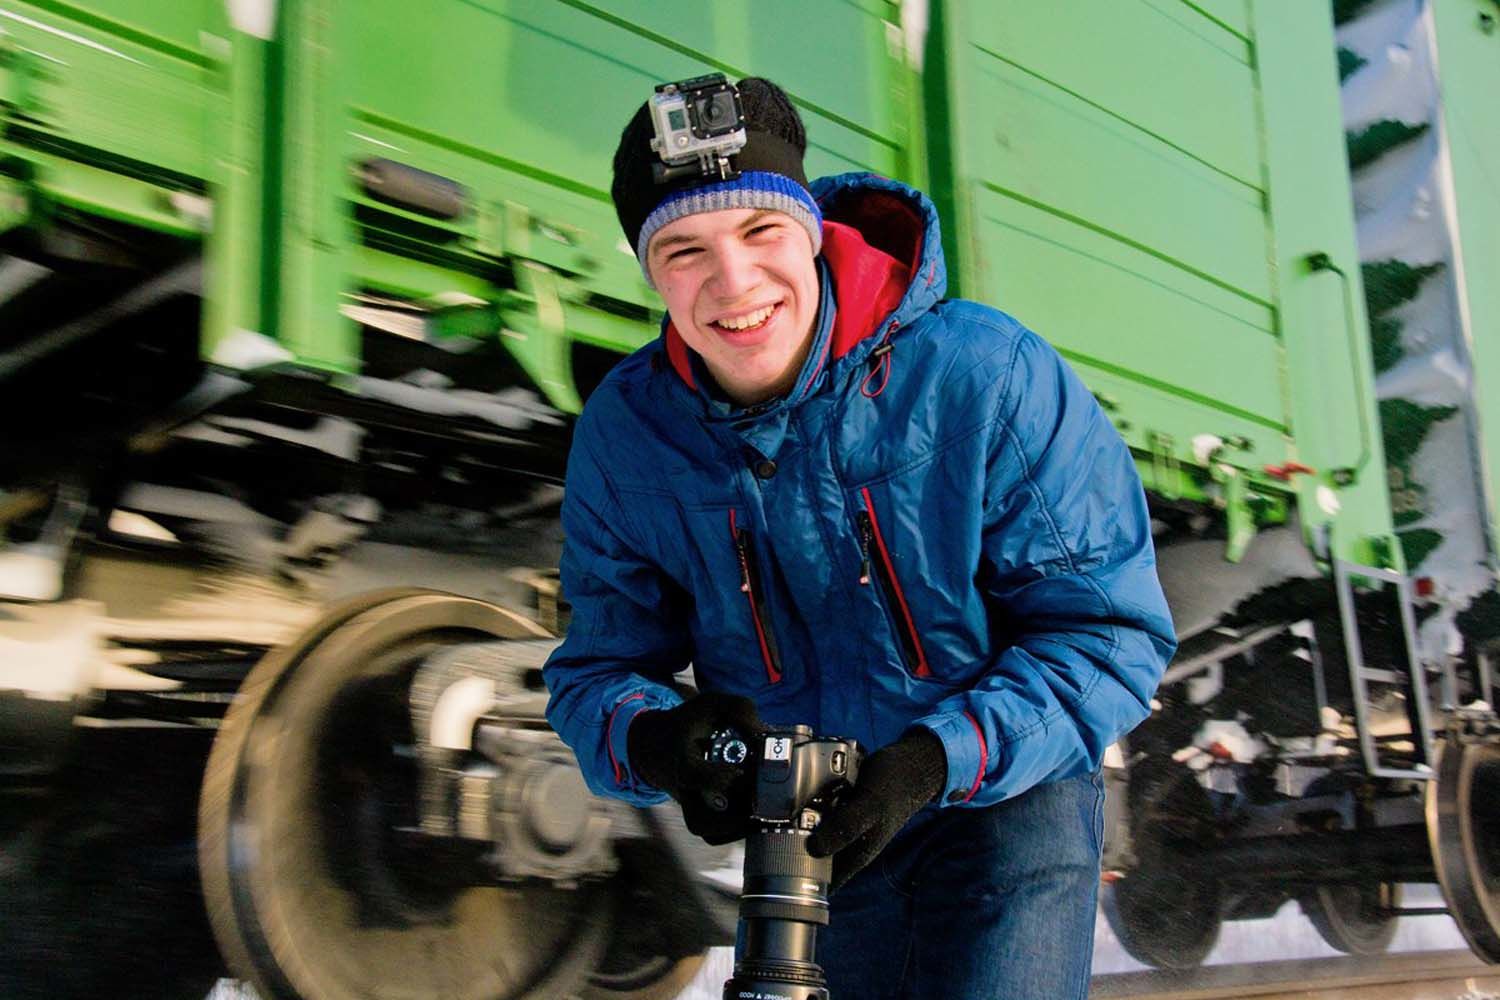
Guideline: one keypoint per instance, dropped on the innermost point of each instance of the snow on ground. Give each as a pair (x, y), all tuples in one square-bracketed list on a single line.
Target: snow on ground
[(1286, 936)]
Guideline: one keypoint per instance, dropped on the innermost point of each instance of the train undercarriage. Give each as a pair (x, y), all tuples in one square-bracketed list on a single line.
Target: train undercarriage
[(1296, 753)]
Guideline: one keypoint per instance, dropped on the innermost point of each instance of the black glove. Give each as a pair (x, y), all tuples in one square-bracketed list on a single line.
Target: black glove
[(667, 750), (893, 783)]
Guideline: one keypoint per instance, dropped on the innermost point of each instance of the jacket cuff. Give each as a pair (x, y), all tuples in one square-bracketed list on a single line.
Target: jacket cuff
[(615, 743), (968, 751)]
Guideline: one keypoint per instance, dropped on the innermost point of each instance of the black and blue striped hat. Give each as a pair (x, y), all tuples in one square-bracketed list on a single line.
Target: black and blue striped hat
[(770, 165)]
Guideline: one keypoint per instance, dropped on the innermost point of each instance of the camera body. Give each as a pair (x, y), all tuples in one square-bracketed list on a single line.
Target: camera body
[(784, 900), (699, 125), (798, 776)]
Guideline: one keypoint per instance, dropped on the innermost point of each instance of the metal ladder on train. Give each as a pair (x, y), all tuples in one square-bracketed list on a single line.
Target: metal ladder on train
[(1415, 678)]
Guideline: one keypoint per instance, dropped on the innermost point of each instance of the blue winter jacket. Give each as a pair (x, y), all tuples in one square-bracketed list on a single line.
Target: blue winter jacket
[(936, 527)]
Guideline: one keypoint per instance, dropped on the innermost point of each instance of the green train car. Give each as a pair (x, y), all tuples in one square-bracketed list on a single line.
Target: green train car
[(299, 298)]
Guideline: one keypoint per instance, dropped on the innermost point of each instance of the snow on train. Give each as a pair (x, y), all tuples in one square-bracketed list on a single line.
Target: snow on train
[(298, 299)]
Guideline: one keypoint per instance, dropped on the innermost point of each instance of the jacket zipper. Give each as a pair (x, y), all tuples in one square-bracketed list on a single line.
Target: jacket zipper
[(749, 586), (903, 625)]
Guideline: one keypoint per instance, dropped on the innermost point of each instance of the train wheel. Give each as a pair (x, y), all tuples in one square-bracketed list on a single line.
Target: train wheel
[(311, 891), (642, 961), (655, 953), (648, 978), (1463, 830), (1161, 917), (1355, 919)]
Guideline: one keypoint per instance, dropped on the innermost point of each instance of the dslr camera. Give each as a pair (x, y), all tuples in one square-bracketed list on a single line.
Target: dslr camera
[(796, 777), (699, 125)]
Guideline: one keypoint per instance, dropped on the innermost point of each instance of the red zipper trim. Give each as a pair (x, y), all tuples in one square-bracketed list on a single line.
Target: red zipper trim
[(923, 669), (882, 357), (772, 672), (984, 756), (609, 744)]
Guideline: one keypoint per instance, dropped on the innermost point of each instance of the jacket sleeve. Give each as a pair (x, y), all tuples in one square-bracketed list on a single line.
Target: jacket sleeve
[(1068, 575), (627, 635)]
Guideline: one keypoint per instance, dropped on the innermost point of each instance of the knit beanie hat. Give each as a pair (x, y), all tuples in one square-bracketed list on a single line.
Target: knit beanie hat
[(770, 166)]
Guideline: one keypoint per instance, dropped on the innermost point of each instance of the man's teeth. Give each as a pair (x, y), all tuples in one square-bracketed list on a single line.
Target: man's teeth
[(748, 320)]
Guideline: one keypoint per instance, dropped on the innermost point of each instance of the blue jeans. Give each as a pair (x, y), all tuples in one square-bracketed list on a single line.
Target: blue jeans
[(974, 904)]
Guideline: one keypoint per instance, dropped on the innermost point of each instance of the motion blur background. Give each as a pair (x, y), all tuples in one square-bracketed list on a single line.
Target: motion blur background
[(299, 300)]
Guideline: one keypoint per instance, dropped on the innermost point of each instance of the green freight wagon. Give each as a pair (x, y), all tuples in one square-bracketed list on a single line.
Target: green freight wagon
[(298, 300), (1163, 191)]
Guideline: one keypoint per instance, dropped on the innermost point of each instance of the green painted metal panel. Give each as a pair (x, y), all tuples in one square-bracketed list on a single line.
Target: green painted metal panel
[(1143, 181), (522, 104), (1146, 419), (128, 111), (518, 211), (1155, 66), (311, 250), (1329, 376), (15, 210), (118, 88), (1105, 300), (106, 194), (1097, 194), (835, 63), (1233, 15), (1469, 76), (173, 28), (519, 101), (544, 88), (1082, 162), (237, 240)]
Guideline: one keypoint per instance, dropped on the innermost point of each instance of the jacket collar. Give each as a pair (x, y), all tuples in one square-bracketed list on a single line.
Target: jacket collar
[(877, 235)]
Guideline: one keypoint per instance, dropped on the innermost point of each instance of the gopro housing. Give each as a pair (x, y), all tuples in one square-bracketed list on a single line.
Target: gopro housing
[(699, 125)]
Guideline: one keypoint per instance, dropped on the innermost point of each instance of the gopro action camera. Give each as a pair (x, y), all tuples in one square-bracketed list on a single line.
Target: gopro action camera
[(699, 125)]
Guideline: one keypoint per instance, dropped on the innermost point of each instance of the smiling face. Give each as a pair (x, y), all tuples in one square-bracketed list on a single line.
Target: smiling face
[(742, 288)]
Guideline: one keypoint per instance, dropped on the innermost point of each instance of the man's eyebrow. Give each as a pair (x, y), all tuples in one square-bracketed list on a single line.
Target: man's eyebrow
[(672, 241), (757, 218)]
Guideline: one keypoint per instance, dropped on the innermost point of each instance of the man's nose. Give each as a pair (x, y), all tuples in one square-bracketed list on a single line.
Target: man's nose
[(735, 273)]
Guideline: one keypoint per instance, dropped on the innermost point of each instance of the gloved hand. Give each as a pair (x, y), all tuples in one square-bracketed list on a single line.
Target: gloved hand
[(667, 749), (893, 783)]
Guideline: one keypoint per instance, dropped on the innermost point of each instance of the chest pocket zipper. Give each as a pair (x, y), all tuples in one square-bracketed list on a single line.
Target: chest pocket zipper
[(750, 587), (884, 573)]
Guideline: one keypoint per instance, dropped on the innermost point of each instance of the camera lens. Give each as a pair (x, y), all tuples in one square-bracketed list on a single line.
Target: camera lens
[(716, 112)]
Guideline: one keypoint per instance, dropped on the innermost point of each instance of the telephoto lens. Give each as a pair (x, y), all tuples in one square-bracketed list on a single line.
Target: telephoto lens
[(785, 896)]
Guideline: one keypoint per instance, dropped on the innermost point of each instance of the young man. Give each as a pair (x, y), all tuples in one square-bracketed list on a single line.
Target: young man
[(851, 504)]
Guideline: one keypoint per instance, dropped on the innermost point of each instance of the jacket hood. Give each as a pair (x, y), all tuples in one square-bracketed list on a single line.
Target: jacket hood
[(882, 247), (896, 221)]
